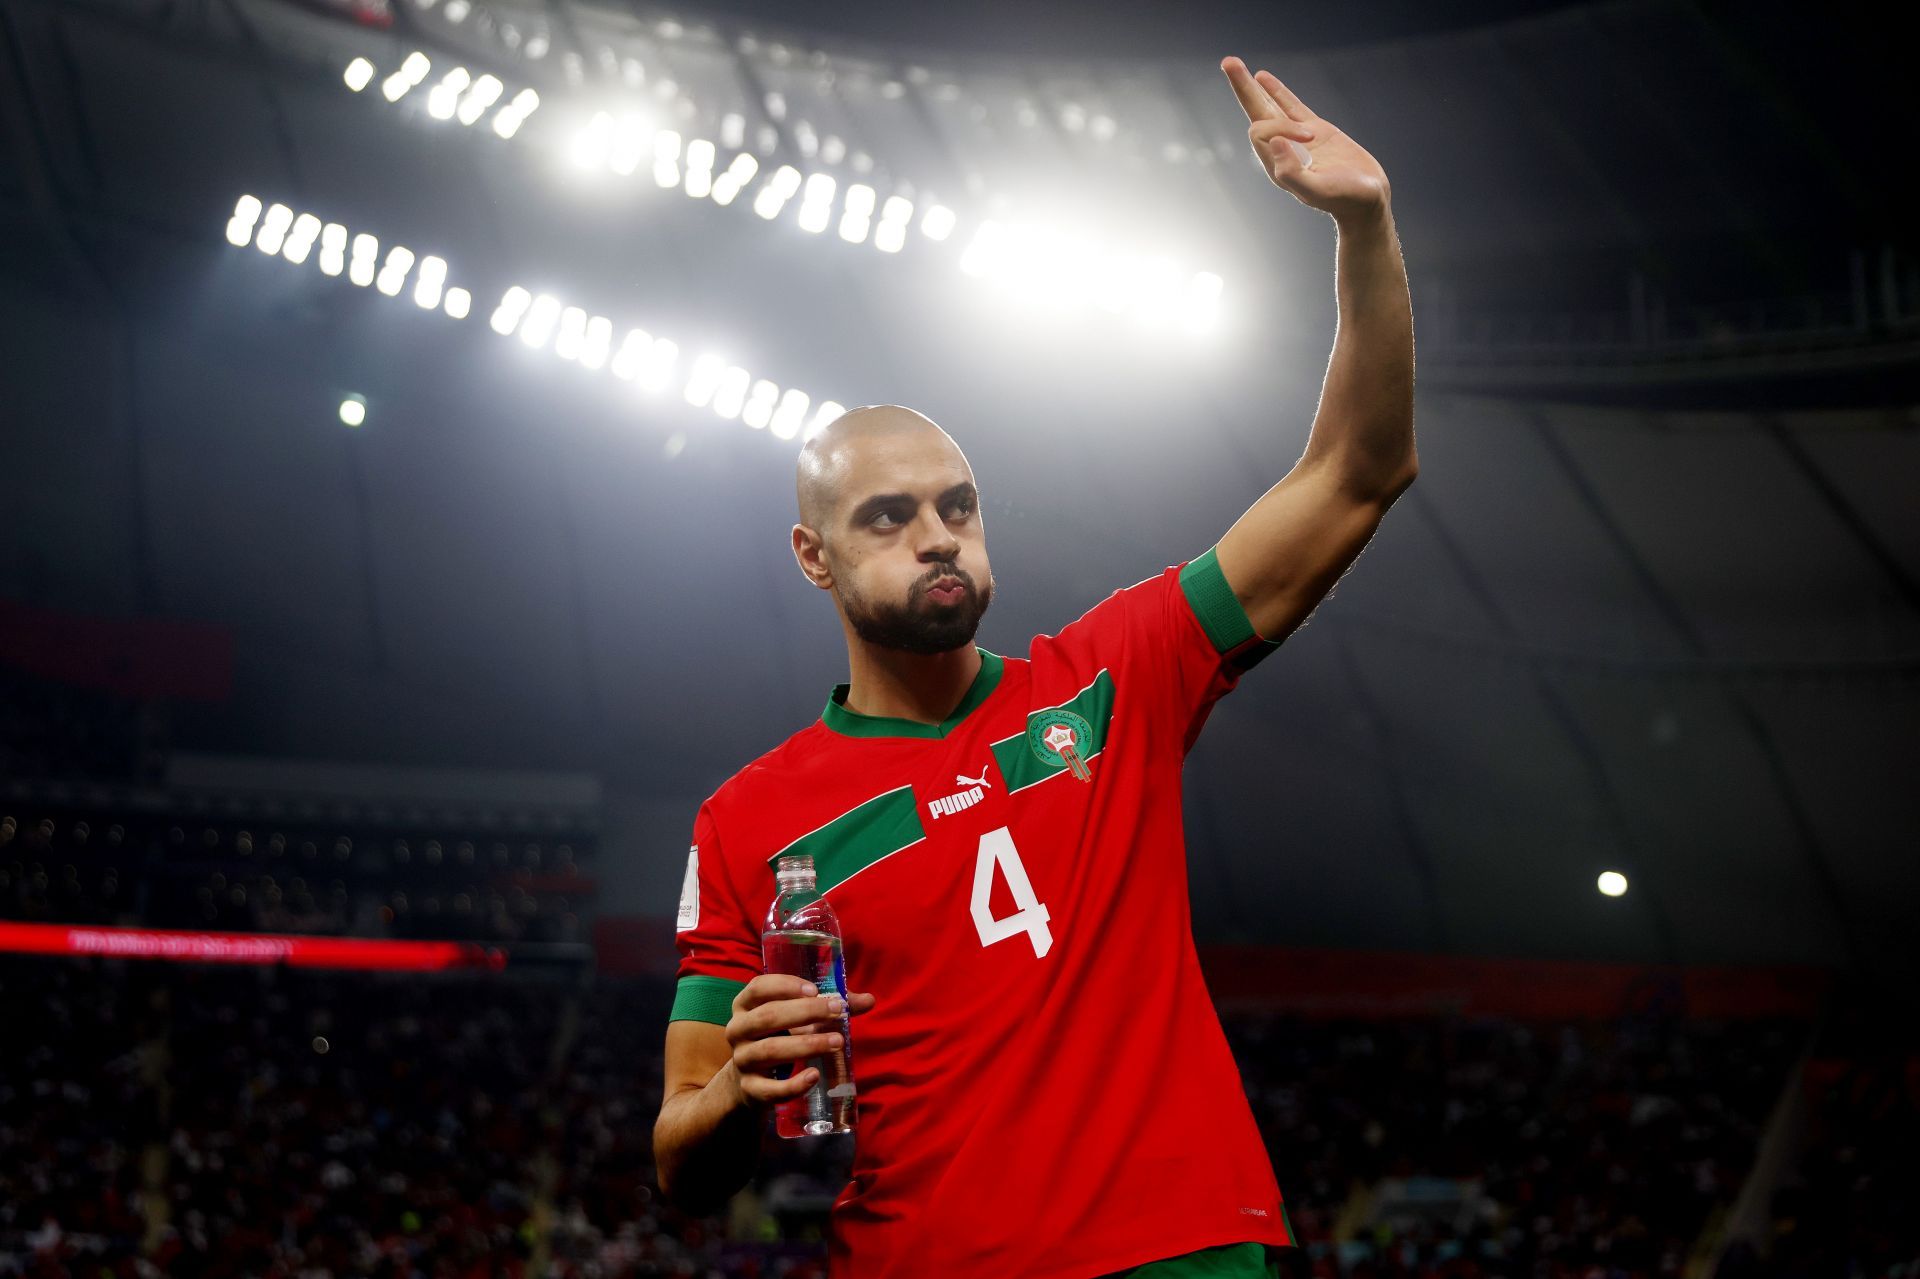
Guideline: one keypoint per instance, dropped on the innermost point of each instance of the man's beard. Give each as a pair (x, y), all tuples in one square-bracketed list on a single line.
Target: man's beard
[(920, 625)]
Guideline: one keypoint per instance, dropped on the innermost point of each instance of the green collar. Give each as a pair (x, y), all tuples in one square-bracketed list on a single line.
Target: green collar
[(853, 724)]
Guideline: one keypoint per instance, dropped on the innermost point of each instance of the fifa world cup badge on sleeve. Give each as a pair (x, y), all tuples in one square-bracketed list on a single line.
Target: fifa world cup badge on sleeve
[(1057, 736), (690, 893)]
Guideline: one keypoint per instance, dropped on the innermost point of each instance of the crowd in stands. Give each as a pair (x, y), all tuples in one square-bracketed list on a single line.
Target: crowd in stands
[(81, 865), (208, 1121)]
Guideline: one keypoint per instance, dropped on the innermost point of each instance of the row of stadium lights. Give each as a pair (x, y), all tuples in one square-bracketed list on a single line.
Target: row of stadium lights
[(712, 382), (458, 95), (1036, 264)]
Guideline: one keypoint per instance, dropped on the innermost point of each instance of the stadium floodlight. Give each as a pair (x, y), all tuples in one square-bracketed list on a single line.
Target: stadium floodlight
[(700, 156), (333, 248), (366, 252), (353, 410), (573, 333), (758, 410), (359, 74), (789, 416), (1612, 883), (273, 229), (459, 303), (484, 92), (415, 67), (984, 250), (590, 146), (513, 306), (632, 140), (656, 370), (938, 223), (1203, 300), (540, 320), (704, 379), (457, 11), (246, 212), (395, 87), (431, 283), (824, 416), (593, 352), (633, 349), (393, 274), (306, 229), (731, 396)]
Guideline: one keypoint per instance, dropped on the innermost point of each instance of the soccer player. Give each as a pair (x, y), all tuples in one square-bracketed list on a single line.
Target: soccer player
[(1045, 1091)]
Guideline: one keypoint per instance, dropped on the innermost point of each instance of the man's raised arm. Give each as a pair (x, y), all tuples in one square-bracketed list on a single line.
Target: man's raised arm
[(1288, 550)]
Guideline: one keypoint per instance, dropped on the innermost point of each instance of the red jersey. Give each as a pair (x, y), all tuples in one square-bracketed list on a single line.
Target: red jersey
[(1044, 1086)]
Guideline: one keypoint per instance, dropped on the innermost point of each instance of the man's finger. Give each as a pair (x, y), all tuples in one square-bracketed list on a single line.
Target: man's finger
[(768, 987), (1288, 101), (1253, 99), (786, 1014), (763, 1089), (1267, 130)]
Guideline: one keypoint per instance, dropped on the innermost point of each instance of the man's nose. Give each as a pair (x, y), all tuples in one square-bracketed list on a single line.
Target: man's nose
[(933, 539)]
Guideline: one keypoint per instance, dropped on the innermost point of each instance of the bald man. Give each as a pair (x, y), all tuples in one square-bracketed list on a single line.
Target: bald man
[(1043, 1087)]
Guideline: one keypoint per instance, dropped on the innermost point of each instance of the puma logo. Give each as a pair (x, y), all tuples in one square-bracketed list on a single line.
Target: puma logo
[(963, 780)]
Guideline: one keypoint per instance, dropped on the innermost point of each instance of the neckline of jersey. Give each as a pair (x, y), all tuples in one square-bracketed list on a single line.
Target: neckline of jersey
[(853, 724)]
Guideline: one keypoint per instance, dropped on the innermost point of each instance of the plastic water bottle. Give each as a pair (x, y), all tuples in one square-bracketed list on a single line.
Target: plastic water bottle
[(802, 938)]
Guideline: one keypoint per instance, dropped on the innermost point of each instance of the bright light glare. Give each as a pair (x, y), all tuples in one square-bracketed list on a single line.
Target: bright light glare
[(890, 237), (657, 369), (939, 223), (599, 338), (591, 144), (359, 74), (573, 332), (459, 303), (353, 410), (732, 395), (758, 410), (415, 67), (791, 413), (704, 380), (433, 278), (540, 320), (306, 229), (484, 93), (513, 305), (395, 87), (1612, 883), (633, 348), (824, 416)]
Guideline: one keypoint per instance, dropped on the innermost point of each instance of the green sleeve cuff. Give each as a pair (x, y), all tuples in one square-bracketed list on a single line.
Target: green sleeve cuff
[(1220, 613), (707, 999)]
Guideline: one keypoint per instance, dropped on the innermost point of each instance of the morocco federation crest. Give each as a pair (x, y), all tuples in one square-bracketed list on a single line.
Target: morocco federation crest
[(1060, 738)]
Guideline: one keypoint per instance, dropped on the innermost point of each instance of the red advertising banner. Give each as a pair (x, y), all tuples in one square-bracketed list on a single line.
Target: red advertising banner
[(135, 657), (247, 948)]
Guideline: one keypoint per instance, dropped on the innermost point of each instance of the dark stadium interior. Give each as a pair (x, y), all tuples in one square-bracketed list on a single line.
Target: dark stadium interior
[(462, 673)]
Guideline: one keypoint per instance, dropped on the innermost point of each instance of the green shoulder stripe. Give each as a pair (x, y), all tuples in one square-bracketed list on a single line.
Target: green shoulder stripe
[(859, 837)]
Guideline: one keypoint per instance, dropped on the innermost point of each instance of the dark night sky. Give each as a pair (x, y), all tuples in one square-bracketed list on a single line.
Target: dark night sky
[(1207, 28)]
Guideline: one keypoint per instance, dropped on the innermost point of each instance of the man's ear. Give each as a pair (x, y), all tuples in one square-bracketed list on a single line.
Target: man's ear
[(810, 552)]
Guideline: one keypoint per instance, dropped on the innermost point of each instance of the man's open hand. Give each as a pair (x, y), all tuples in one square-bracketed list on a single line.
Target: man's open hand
[(1308, 158)]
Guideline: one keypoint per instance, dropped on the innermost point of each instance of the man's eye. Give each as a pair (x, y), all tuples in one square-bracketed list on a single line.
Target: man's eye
[(883, 519)]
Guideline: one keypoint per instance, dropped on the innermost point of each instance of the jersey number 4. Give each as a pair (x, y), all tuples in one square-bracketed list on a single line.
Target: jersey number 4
[(1030, 917)]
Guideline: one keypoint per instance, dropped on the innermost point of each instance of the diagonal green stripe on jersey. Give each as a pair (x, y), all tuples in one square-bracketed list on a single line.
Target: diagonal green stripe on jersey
[(859, 837), (1022, 768)]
